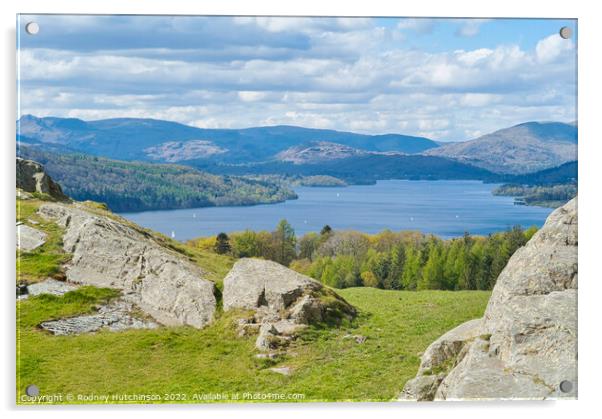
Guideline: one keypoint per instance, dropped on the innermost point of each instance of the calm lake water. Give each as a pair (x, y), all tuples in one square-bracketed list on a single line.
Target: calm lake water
[(444, 208)]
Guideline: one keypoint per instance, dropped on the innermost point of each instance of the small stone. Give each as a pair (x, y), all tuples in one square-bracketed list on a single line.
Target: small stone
[(269, 355), (282, 370), (51, 286), (360, 339)]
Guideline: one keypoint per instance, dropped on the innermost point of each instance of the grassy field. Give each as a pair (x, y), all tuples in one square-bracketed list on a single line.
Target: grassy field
[(186, 365)]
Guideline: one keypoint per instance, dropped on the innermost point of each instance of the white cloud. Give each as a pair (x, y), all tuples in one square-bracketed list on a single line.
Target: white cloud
[(249, 96), (470, 27), (346, 74), (551, 48), (479, 99)]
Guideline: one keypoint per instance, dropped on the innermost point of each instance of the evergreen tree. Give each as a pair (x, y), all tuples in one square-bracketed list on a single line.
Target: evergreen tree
[(326, 230), (450, 268), (411, 269), (432, 274), (222, 244), (397, 258)]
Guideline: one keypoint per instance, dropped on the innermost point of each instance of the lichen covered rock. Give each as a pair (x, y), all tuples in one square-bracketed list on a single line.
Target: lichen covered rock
[(109, 253), (283, 301), (526, 344)]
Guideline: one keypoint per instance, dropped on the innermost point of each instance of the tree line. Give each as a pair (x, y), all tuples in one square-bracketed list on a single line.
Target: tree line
[(404, 260)]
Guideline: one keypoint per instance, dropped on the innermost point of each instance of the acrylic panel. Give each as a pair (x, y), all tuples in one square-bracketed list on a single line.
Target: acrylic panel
[(221, 209)]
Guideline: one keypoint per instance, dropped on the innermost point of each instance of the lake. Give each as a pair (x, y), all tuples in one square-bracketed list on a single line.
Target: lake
[(445, 208)]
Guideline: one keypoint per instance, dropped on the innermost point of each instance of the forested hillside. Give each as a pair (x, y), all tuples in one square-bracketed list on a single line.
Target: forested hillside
[(362, 170), (549, 188), (136, 186)]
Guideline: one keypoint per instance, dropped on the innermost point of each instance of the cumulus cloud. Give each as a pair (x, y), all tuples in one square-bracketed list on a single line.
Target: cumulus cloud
[(347, 74), (551, 48)]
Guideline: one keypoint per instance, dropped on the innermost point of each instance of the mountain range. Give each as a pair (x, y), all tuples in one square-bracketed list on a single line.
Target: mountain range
[(520, 149), (165, 141)]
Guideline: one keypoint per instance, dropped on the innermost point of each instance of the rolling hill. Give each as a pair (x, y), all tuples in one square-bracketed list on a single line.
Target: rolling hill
[(363, 169)]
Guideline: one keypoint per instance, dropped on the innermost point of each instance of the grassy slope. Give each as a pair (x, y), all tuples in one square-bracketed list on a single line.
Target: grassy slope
[(46, 260), (399, 325)]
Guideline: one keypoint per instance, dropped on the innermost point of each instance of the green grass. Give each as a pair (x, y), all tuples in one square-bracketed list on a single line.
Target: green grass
[(327, 366), (47, 260)]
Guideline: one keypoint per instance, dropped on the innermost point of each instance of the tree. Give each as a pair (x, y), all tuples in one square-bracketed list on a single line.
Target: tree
[(432, 274), (351, 243), (222, 244), (326, 230), (411, 268), (450, 269), (245, 244), (379, 264), (397, 259), (284, 243), (308, 244), (369, 279)]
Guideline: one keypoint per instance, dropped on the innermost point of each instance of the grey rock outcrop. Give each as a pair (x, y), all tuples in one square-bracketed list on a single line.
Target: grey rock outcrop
[(284, 301), (109, 253), (29, 238), (31, 177), (526, 344)]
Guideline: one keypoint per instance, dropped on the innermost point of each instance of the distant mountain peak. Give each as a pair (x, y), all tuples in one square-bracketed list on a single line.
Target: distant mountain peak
[(523, 148)]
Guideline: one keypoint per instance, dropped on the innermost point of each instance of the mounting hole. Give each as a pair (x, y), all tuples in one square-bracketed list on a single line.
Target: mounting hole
[(566, 386), (565, 32), (32, 390), (32, 28)]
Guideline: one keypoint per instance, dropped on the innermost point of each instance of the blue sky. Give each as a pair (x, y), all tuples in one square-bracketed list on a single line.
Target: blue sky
[(447, 79)]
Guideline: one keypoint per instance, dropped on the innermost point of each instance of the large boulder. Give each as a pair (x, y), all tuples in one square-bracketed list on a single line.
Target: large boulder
[(526, 344), (31, 177), (108, 252), (283, 301), (253, 283)]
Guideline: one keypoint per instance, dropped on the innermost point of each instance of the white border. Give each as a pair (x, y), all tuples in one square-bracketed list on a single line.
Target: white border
[(590, 137)]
